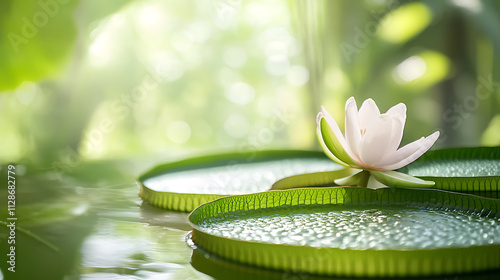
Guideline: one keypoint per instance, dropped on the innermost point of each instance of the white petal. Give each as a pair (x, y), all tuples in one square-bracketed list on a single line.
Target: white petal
[(368, 113), (409, 153), (352, 129), (398, 111), (375, 142), (402, 153), (396, 136)]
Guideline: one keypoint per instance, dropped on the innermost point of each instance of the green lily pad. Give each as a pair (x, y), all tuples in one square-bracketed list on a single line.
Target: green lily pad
[(459, 169), (471, 170), (186, 184), (353, 232)]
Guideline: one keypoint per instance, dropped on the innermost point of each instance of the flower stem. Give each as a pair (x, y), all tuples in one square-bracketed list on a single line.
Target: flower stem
[(363, 180)]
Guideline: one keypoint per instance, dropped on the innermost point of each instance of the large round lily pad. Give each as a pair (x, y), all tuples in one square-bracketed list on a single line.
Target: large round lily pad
[(186, 184)]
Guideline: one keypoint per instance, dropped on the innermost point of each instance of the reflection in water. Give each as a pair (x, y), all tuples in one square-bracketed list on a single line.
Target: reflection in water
[(101, 228), (133, 241), (155, 216), (228, 270)]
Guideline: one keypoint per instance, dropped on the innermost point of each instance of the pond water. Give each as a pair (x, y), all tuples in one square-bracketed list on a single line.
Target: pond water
[(98, 224), (102, 230)]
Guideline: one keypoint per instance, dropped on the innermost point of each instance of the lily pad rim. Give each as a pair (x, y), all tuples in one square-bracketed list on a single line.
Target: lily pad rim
[(196, 227), (350, 262)]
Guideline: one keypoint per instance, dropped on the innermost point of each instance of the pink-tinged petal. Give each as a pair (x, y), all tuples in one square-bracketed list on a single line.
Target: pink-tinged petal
[(398, 111), (402, 153), (352, 129), (409, 153), (396, 136), (368, 113), (374, 144)]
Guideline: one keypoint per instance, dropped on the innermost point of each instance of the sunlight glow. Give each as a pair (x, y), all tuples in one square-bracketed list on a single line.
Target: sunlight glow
[(237, 126), (411, 68), (102, 48), (27, 92), (179, 132), (297, 76), (150, 17), (235, 57), (240, 93), (474, 6), (99, 51), (168, 66)]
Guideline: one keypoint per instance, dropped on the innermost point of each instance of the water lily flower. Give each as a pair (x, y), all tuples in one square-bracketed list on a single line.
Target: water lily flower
[(370, 145)]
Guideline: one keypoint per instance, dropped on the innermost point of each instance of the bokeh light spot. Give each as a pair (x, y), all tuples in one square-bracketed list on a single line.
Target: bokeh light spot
[(178, 132), (240, 93), (235, 57), (236, 126), (297, 75), (411, 68)]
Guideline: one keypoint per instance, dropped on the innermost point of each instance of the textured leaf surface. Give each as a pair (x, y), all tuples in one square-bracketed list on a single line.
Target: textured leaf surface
[(460, 169), (347, 262)]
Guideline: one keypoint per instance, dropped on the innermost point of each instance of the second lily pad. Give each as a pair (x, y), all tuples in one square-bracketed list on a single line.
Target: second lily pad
[(460, 169), (472, 170)]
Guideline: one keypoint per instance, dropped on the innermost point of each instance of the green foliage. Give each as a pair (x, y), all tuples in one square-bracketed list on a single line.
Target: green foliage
[(405, 22), (81, 75), (37, 38)]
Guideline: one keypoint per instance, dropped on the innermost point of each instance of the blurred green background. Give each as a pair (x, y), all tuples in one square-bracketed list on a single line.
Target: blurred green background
[(92, 93), (106, 79)]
